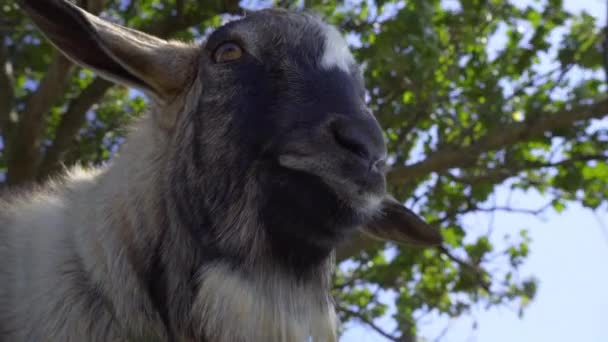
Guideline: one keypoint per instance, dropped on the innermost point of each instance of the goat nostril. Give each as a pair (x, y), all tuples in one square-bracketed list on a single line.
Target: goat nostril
[(349, 141)]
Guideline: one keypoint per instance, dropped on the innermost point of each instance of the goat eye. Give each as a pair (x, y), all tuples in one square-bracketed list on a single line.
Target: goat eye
[(227, 52)]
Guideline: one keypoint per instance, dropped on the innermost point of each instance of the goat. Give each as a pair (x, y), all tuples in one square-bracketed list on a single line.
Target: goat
[(219, 218)]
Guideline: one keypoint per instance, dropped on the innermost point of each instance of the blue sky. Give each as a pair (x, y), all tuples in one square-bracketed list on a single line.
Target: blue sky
[(569, 257)]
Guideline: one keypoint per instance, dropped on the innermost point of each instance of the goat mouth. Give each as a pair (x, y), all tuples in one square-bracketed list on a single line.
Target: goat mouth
[(355, 181)]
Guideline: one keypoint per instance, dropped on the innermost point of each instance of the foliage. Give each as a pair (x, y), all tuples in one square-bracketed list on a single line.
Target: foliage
[(472, 94)]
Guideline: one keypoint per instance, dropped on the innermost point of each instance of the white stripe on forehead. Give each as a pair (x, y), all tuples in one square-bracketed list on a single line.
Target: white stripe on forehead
[(337, 53)]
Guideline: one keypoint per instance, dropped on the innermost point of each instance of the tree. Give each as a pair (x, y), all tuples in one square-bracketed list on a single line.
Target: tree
[(472, 94)]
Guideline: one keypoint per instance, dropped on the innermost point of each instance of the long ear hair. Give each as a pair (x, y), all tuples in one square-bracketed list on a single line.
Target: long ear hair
[(116, 53)]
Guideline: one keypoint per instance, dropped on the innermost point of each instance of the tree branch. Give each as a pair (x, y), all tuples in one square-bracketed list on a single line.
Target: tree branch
[(506, 171), (605, 47), (179, 8), (450, 157), (172, 24), (25, 154), (7, 95), (70, 124), (367, 321), (474, 269)]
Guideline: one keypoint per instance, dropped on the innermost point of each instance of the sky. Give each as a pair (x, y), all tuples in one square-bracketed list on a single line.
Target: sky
[(569, 257)]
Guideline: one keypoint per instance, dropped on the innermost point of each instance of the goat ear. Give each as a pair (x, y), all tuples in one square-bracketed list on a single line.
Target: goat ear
[(114, 52), (396, 223)]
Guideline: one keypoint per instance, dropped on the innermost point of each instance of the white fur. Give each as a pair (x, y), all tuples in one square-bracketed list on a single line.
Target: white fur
[(336, 54), (55, 236), (263, 307), (372, 204)]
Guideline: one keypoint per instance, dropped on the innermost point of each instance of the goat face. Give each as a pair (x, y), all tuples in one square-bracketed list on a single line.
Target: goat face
[(268, 137), (281, 105)]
